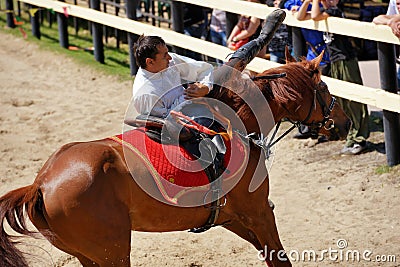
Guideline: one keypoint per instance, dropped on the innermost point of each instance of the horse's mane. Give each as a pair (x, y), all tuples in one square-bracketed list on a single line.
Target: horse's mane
[(300, 76)]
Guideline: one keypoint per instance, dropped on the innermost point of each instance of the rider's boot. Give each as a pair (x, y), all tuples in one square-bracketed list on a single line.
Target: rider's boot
[(246, 53)]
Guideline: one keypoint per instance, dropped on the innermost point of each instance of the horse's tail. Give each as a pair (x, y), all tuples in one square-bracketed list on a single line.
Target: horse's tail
[(12, 209)]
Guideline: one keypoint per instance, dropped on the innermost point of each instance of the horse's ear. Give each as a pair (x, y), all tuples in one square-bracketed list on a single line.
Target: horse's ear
[(316, 61), (288, 56)]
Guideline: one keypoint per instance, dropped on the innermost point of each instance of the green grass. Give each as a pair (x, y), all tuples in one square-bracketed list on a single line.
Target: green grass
[(116, 60), (394, 171), (382, 169)]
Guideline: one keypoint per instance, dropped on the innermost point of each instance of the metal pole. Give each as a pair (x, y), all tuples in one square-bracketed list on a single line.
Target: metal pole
[(105, 33), (10, 13), (177, 21), (231, 21), (153, 12), (76, 21), (299, 48), (116, 31), (35, 23), (97, 34), (19, 8), (132, 38), (62, 22), (391, 120)]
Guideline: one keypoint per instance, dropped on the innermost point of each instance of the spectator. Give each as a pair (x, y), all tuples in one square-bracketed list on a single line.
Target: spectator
[(195, 23), (314, 40), (394, 23), (392, 19), (344, 66), (218, 28), (394, 7), (247, 29), (279, 41), (315, 45)]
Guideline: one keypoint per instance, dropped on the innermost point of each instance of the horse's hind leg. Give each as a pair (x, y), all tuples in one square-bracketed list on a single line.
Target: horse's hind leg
[(96, 229), (38, 219), (60, 245), (86, 262), (106, 244), (100, 238)]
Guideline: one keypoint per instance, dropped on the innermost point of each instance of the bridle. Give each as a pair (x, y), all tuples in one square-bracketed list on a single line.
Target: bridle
[(262, 142), (326, 111)]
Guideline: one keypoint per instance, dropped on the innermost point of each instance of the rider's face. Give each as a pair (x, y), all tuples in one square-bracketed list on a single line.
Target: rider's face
[(161, 60)]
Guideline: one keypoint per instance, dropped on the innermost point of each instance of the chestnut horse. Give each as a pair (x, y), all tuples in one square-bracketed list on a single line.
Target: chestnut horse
[(85, 201)]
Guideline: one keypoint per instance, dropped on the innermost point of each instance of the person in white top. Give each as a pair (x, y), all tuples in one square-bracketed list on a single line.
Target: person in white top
[(392, 19), (391, 14), (393, 8), (158, 88)]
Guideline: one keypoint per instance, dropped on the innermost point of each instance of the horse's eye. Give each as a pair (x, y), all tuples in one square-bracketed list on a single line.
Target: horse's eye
[(322, 85)]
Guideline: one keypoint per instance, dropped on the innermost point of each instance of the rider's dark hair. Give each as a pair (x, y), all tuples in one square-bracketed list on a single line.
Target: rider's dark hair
[(146, 47)]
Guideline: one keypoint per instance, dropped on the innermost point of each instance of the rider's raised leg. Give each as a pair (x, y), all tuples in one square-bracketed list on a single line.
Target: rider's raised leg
[(247, 52)]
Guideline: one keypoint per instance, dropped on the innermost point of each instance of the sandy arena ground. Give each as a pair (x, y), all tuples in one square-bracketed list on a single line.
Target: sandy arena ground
[(321, 197)]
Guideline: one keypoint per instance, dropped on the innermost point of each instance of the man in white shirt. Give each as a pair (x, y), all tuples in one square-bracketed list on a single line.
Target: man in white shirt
[(158, 84)]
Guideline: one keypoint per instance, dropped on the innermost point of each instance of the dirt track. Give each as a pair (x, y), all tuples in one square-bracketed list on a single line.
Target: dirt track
[(320, 196)]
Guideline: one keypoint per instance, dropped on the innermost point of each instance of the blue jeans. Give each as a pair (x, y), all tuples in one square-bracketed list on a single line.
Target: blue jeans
[(196, 30), (218, 38), (277, 56), (398, 79)]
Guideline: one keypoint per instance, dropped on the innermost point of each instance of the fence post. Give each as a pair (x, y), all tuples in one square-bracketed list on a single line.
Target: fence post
[(19, 8), (35, 23), (62, 22), (391, 120), (177, 21), (298, 42), (116, 31), (10, 13), (97, 33), (132, 38), (76, 20), (231, 21)]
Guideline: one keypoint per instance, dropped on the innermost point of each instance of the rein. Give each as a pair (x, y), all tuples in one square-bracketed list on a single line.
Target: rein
[(269, 76)]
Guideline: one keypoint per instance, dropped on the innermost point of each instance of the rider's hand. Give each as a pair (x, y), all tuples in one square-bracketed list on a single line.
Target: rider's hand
[(196, 90)]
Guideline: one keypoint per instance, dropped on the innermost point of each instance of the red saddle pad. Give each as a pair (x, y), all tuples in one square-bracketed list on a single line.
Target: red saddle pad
[(173, 165)]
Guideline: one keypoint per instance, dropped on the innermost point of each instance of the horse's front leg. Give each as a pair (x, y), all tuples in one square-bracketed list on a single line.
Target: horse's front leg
[(261, 231), (254, 221), (267, 234), (247, 235)]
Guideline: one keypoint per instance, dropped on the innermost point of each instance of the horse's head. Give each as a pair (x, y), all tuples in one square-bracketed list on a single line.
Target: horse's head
[(302, 97)]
